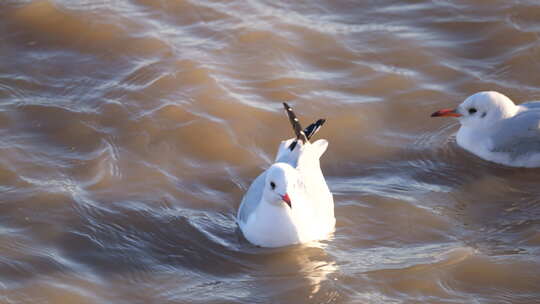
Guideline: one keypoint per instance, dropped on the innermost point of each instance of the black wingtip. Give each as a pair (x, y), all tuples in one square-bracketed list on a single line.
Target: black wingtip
[(314, 128), (298, 132)]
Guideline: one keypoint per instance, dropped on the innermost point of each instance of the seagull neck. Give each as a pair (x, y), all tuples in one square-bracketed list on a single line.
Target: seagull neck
[(274, 215), (268, 206)]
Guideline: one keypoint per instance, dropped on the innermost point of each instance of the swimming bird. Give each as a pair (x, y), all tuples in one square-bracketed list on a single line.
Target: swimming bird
[(497, 130), (290, 203)]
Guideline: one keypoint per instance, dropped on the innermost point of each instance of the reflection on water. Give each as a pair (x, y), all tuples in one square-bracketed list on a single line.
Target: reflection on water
[(130, 129)]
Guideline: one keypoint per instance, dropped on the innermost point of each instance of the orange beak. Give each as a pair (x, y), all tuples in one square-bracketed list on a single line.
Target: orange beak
[(287, 200), (446, 112)]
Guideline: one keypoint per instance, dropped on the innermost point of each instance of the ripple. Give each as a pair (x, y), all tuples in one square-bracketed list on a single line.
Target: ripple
[(131, 129)]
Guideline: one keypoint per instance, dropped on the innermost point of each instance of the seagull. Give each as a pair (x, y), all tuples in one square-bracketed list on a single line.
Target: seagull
[(290, 203), (497, 130)]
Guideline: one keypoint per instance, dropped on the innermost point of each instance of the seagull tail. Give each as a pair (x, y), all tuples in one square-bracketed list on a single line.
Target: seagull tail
[(300, 134)]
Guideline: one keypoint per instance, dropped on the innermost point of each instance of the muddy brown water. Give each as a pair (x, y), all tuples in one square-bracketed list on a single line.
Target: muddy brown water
[(130, 129)]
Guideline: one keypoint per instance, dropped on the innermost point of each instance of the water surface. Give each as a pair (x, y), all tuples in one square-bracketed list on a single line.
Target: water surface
[(130, 130)]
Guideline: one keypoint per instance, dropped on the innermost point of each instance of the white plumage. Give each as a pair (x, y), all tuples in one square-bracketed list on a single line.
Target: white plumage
[(290, 203), (495, 129)]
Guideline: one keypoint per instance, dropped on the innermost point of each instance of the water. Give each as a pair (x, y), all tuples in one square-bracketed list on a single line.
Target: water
[(130, 130)]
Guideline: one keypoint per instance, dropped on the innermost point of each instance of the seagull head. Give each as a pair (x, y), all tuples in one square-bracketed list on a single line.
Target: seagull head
[(281, 179), (482, 109)]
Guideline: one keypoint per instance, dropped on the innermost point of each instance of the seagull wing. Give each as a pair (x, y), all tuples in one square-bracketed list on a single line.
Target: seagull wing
[(519, 135), (314, 128), (533, 105), (251, 199), (317, 190)]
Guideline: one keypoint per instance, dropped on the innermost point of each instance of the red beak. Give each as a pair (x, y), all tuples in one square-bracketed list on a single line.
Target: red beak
[(287, 200), (446, 112)]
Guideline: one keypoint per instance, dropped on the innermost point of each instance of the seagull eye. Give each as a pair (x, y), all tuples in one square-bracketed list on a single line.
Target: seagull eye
[(472, 110), (272, 185)]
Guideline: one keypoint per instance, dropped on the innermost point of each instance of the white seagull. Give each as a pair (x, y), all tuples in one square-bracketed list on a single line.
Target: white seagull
[(290, 202), (495, 129)]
